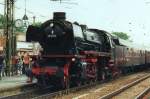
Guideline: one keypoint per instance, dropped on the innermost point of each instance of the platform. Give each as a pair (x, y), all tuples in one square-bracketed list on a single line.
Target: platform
[(13, 82)]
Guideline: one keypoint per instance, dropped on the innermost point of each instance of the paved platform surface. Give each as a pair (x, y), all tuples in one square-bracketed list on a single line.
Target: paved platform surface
[(11, 82)]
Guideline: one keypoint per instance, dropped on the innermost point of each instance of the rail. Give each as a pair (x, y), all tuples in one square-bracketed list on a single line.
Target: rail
[(64, 92), (46, 93), (142, 94), (116, 92)]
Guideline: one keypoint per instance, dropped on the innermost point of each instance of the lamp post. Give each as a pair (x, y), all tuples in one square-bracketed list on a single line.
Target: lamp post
[(34, 19), (25, 17)]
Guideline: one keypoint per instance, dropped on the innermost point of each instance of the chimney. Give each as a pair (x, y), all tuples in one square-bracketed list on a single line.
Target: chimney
[(59, 16)]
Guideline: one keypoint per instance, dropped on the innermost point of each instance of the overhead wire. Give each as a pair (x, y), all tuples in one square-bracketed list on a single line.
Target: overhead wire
[(38, 14), (28, 11)]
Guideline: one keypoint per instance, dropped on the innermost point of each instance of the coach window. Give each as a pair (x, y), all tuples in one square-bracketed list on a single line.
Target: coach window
[(77, 31)]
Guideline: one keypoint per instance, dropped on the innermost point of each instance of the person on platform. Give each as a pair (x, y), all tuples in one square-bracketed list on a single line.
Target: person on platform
[(26, 62), (34, 62), (19, 63), (1, 66), (14, 65), (29, 70)]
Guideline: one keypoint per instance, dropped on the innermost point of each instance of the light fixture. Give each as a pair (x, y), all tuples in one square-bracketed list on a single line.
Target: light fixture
[(25, 17)]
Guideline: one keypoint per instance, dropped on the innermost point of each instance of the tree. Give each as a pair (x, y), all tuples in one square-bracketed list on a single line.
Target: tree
[(20, 29), (2, 19), (121, 35), (38, 24)]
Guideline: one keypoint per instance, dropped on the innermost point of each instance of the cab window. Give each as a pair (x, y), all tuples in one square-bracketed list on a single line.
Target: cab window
[(77, 31)]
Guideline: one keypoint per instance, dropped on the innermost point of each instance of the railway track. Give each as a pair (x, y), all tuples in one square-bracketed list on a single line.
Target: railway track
[(71, 93), (103, 89), (127, 90), (64, 92), (46, 93), (143, 93), (49, 94)]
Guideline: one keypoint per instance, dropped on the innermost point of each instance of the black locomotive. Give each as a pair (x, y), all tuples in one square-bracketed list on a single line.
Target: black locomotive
[(74, 55)]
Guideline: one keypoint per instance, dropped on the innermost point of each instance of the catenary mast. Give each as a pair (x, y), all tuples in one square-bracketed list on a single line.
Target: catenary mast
[(9, 33)]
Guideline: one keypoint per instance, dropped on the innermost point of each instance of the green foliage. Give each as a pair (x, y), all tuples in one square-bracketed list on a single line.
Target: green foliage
[(38, 24), (22, 29), (2, 20), (19, 29), (121, 35)]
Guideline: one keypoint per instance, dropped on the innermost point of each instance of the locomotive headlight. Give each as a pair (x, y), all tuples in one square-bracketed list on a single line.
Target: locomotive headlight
[(73, 59), (51, 25)]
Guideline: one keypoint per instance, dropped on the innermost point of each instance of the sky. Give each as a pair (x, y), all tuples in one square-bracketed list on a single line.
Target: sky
[(129, 16)]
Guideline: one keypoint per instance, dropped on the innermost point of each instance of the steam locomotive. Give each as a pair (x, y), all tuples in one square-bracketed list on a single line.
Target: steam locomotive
[(73, 54)]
